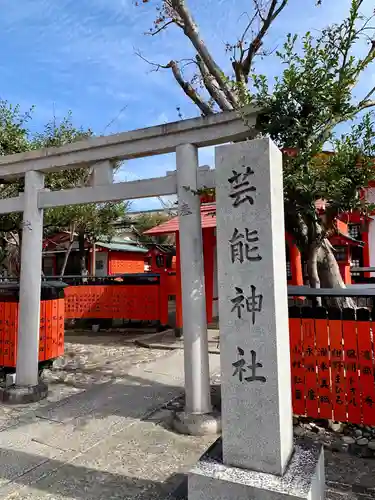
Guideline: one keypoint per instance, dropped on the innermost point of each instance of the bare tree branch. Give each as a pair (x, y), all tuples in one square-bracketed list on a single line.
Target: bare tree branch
[(368, 59), (249, 24), (191, 31), (237, 61), (170, 11), (156, 66), (372, 91), (256, 43), (212, 87), (366, 104), (189, 90), (158, 30), (258, 10)]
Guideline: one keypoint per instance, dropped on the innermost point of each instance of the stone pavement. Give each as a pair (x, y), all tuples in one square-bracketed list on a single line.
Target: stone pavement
[(167, 340), (103, 432), (106, 436)]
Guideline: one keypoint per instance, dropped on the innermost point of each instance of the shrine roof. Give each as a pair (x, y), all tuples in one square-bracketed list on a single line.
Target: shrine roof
[(208, 218), (342, 239)]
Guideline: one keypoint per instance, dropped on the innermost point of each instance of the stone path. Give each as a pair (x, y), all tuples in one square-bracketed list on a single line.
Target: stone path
[(102, 433), (89, 360), (167, 340)]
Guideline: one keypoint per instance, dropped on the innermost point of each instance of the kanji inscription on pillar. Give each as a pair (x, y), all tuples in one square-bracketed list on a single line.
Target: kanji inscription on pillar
[(254, 336)]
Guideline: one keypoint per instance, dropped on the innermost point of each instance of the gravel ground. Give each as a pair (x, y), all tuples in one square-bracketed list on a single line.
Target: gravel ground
[(89, 359), (101, 433)]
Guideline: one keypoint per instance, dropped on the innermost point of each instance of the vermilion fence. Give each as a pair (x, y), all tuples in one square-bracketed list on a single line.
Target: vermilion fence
[(142, 297), (332, 363), (51, 340)]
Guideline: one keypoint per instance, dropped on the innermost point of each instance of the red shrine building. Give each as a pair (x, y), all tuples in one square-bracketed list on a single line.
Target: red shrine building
[(354, 246)]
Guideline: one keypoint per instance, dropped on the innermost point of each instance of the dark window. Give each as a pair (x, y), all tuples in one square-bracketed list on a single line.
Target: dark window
[(73, 266), (341, 254), (356, 258), (355, 231), (48, 266), (160, 260)]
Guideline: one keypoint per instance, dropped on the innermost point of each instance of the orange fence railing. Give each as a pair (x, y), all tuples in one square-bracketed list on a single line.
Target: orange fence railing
[(332, 364), (139, 298), (51, 340)]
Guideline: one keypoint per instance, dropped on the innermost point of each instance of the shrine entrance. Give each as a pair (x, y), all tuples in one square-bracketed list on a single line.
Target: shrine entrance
[(184, 138)]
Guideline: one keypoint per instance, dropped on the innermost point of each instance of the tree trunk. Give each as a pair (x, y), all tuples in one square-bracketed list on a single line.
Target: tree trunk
[(68, 250), (66, 258), (82, 253), (93, 259), (312, 271), (18, 268), (4, 259), (322, 268), (330, 276)]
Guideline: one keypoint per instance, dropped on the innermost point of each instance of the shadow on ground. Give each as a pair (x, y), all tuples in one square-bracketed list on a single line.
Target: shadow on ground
[(105, 444), (135, 398), (346, 479), (131, 398), (69, 480)]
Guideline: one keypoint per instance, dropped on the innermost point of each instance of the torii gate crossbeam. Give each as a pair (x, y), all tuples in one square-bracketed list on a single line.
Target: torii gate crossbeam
[(184, 138)]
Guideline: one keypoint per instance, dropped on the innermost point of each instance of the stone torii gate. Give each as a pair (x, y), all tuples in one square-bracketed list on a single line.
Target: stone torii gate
[(184, 138)]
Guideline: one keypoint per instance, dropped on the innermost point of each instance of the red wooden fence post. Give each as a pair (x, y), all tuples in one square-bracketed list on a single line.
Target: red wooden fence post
[(339, 402), (351, 366), (310, 361), (322, 352), (163, 299), (296, 358), (366, 366)]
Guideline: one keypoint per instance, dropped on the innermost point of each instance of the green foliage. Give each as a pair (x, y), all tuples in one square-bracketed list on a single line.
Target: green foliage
[(350, 168), (302, 109), (55, 135), (93, 219), (14, 137), (146, 221), (313, 95)]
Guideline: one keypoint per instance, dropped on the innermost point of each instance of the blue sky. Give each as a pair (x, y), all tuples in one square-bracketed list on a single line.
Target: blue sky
[(79, 55)]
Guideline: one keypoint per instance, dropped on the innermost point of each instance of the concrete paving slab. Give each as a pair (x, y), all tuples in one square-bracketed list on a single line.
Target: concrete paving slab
[(84, 431), (141, 389), (13, 462), (118, 447), (138, 462), (110, 407), (67, 435), (349, 476), (84, 365), (167, 340)]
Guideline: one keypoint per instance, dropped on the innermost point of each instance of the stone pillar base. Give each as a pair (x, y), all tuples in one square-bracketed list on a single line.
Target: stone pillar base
[(304, 478), (15, 395), (197, 424), (178, 332)]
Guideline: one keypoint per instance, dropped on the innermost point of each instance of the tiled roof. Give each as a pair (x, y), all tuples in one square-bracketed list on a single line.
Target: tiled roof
[(208, 217), (121, 247)]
